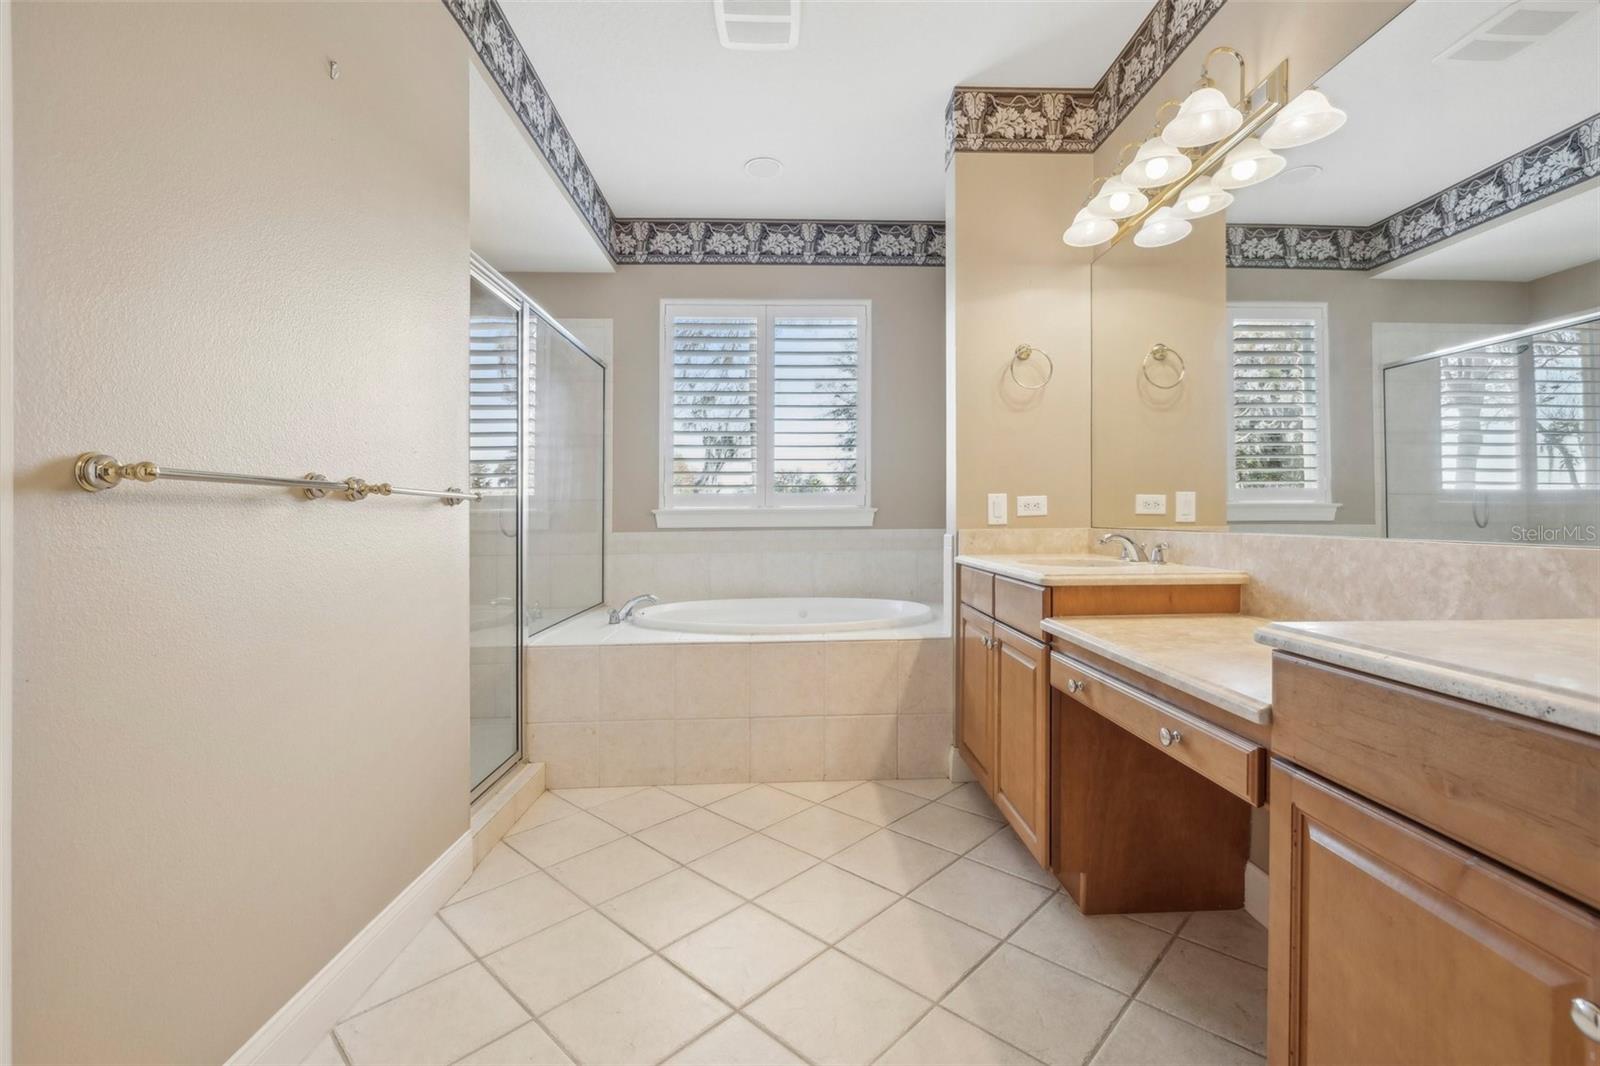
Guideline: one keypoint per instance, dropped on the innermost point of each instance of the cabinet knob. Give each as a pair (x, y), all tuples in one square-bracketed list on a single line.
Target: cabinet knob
[(1170, 737), (1074, 686), (1586, 1016)]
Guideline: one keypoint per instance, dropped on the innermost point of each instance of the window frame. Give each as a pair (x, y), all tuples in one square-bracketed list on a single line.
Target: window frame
[(1296, 504), (764, 507)]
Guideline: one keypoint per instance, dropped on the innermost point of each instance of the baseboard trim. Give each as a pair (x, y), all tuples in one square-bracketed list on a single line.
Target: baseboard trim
[(291, 1034), (1255, 892), (959, 773)]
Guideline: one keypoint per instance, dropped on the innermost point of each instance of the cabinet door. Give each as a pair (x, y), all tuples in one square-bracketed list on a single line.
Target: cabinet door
[(1390, 944), (1022, 761), (975, 709)]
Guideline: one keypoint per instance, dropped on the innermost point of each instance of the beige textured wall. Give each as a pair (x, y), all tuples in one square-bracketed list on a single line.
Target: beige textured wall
[(907, 381), (1149, 439), (1567, 292), (1356, 301), (1015, 283), (241, 718)]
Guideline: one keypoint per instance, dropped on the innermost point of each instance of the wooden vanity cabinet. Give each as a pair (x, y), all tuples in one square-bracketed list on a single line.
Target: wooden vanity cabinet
[(1392, 944), (1022, 713), (975, 718)]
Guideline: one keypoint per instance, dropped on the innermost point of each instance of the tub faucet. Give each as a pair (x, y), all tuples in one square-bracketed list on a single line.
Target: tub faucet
[(1131, 552), (625, 612)]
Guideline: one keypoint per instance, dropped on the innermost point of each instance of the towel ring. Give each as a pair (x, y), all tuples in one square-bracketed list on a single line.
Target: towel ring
[(1021, 355), (1159, 353)]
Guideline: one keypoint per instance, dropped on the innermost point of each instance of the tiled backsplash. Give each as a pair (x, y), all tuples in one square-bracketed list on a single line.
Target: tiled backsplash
[(906, 564), (652, 714)]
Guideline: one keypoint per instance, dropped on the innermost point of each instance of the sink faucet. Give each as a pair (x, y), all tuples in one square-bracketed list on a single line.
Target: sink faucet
[(625, 612), (1131, 552)]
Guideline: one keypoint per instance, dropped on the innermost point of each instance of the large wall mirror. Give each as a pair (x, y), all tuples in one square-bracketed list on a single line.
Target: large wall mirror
[(1397, 332)]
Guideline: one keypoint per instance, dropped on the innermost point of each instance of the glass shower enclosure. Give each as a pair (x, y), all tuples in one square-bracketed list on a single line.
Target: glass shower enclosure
[(536, 454)]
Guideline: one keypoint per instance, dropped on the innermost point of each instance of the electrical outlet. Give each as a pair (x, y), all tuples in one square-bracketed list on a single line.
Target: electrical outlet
[(997, 508), (1032, 506), (1184, 502), (1150, 503)]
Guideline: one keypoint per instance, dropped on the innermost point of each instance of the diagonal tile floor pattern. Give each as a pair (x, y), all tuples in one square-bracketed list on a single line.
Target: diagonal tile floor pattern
[(886, 921)]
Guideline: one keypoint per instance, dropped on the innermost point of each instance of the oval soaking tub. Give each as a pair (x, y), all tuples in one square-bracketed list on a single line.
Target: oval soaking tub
[(782, 614)]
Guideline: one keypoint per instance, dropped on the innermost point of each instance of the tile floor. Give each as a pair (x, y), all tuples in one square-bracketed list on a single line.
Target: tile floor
[(825, 922)]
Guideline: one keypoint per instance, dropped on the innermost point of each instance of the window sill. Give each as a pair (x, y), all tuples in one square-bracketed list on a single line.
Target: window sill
[(1282, 511), (763, 517)]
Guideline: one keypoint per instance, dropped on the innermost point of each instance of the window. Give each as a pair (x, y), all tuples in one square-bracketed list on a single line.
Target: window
[(1278, 439), (764, 414), (493, 354), (1521, 415)]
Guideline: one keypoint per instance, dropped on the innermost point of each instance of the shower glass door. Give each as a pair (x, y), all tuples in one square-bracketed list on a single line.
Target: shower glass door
[(496, 412)]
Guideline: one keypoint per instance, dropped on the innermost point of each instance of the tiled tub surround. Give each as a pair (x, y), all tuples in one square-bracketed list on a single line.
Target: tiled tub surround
[(900, 564), (830, 922), (698, 710)]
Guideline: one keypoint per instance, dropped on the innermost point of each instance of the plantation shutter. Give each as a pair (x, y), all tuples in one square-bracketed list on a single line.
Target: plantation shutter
[(1277, 431), (816, 386), (492, 401), (715, 378), (1480, 423), (1566, 384)]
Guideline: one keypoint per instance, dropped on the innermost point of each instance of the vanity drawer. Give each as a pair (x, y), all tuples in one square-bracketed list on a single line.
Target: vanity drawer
[(1021, 606), (1231, 761), (977, 589)]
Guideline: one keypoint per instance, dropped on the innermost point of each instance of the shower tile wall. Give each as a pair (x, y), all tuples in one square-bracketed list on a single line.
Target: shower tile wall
[(691, 565), (655, 714)]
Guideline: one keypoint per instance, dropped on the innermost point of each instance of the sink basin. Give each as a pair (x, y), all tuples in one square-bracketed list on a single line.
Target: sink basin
[(1074, 561)]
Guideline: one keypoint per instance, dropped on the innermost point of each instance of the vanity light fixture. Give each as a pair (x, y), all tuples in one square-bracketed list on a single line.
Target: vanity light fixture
[(1156, 163), (1203, 197), (1162, 228), (1308, 117), (1249, 164), (1117, 199), (1089, 229), (1205, 118)]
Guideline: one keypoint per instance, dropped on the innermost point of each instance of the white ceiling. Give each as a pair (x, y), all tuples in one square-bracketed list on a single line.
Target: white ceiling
[(521, 217), (1417, 126), (1561, 232), (666, 117)]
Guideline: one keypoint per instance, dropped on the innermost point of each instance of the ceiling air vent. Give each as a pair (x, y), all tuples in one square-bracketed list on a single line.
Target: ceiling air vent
[(1512, 29), (758, 25)]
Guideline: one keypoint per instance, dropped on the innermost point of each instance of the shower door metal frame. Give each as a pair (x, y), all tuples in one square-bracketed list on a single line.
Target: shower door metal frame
[(508, 291)]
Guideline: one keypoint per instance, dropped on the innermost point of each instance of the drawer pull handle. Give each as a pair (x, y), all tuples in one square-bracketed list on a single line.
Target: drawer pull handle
[(1169, 737), (1586, 1016), (1074, 686)]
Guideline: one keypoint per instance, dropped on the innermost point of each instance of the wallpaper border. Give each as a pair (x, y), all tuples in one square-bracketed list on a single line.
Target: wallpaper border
[(1554, 164), (980, 119)]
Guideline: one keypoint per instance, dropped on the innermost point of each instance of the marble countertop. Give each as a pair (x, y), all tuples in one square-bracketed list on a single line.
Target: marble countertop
[(1547, 669), (1084, 570), (1213, 657)]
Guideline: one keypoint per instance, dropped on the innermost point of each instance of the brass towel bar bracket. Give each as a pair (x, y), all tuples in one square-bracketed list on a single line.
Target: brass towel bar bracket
[(96, 472)]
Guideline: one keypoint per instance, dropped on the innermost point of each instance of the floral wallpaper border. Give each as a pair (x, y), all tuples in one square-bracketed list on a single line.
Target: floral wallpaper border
[(1555, 163), (1075, 120), (747, 241)]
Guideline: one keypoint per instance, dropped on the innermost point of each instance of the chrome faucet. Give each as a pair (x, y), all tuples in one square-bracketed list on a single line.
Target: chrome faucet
[(1158, 554), (1131, 552), (625, 612)]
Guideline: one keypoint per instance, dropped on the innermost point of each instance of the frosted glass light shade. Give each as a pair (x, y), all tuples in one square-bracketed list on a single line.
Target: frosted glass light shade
[(1162, 228), (1205, 117), (1117, 199), (1203, 197), (1088, 230), (1248, 164), (1308, 117), (1156, 163)]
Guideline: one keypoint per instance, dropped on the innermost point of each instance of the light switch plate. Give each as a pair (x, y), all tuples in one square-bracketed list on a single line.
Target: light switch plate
[(1032, 506), (1184, 503), (997, 508), (1150, 503)]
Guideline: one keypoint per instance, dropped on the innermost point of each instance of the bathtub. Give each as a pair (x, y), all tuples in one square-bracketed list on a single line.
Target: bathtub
[(783, 614)]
